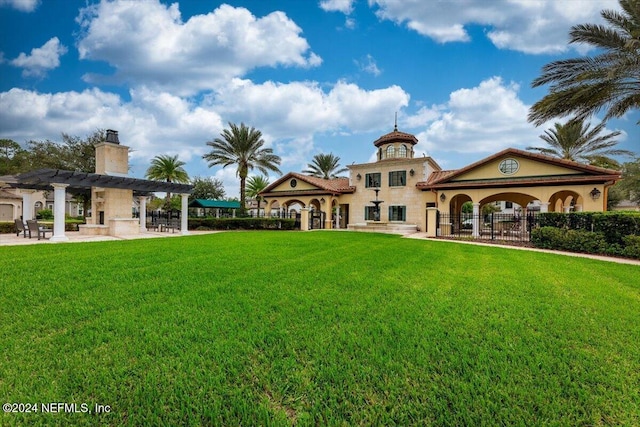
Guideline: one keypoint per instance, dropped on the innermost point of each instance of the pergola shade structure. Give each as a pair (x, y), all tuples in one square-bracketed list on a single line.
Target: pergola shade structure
[(82, 182), (61, 181)]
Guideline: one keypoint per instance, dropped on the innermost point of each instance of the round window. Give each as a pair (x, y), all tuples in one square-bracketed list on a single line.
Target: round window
[(508, 166), (293, 183)]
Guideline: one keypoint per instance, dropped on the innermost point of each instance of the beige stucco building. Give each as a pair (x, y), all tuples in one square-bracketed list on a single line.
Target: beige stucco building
[(410, 190)]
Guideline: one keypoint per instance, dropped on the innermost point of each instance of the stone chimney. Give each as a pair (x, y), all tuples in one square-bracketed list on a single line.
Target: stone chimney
[(111, 157)]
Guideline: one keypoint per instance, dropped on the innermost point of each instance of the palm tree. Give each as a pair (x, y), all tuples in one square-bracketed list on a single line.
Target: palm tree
[(575, 141), (242, 146), (255, 184), (610, 80), (324, 166), (169, 169)]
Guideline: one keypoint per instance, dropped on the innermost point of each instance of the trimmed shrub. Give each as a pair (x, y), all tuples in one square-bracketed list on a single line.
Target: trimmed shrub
[(241, 223), (44, 214), (7, 227), (631, 247), (547, 237), (584, 241)]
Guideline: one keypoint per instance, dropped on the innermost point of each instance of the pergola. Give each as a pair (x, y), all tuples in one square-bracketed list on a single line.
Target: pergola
[(61, 181)]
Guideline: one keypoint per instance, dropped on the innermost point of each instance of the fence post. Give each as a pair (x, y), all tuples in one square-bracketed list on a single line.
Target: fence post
[(493, 235), (432, 222)]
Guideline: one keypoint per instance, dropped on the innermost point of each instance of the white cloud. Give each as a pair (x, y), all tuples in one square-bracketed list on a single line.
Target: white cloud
[(21, 5), (41, 59), (148, 42), (483, 119), (530, 26), (289, 115), (299, 109), (152, 123), (350, 23), (369, 65), (344, 6)]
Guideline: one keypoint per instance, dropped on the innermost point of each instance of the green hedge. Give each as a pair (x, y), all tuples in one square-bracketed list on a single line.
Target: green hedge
[(241, 224), (593, 242), (615, 226)]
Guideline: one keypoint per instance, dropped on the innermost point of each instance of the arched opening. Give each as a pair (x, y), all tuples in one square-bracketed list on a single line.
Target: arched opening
[(565, 201), (317, 213), (510, 203)]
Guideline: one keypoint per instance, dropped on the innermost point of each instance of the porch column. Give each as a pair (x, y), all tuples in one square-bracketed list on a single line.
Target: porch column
[(578, 208), (567, 209), (544, 207), (59, 196), (432, 222), (27, 204), (337, 217), (184, 215), (476, 220), (304, 219), (143, 213)]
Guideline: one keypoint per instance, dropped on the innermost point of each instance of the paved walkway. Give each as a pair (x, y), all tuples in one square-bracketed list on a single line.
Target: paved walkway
[(524, 248), (75, 237)]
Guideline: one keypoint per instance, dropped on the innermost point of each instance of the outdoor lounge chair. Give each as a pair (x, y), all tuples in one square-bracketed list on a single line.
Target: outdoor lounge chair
[(20, 228), (36, 228)]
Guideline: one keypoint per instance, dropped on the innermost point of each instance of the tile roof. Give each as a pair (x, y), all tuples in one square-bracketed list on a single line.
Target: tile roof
[(534, 156), (337, 185), (396, 136)]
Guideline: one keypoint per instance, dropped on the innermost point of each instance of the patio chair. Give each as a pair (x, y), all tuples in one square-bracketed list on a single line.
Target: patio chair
[(36, 228), (20, 228)]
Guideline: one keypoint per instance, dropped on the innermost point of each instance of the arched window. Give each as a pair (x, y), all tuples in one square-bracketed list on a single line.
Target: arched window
[(402, 151), (391, 152)]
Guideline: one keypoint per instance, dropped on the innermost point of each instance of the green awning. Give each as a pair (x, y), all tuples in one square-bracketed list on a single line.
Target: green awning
[(220, 204)]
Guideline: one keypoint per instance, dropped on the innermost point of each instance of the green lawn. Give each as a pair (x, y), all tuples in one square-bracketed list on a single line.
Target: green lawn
[(320, 328)]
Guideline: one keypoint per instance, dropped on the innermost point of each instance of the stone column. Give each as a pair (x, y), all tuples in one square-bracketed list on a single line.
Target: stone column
[(184, 215), (476, 220), (59, 200), (143, 213), (432, 226), (337, 217), (304, 219), (27, 204), (544, 207)]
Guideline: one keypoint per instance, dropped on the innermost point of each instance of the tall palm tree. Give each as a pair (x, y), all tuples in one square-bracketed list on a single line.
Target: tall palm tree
[(610, 80), (324, 166), (167, 168), (242, 146), (575, 141), (255, 184)]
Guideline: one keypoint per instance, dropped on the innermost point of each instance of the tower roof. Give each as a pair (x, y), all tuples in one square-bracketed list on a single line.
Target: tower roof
[(396, 136)]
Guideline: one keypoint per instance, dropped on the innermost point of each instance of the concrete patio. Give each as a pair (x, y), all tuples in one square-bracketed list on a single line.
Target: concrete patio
[(75, 236)]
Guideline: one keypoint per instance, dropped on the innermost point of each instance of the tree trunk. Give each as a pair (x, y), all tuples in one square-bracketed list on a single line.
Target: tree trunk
[(243, 194)]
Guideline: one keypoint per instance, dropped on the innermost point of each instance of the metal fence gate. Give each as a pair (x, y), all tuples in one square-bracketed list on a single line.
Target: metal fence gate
[(493, 226)]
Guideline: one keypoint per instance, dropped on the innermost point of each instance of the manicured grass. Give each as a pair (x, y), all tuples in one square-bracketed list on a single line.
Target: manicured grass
[(320, 328)]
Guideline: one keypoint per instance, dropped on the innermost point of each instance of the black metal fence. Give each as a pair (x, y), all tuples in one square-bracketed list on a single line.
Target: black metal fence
[(493, 226)]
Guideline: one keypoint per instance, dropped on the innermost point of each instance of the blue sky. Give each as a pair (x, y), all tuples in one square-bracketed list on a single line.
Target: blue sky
[(315, 76)]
